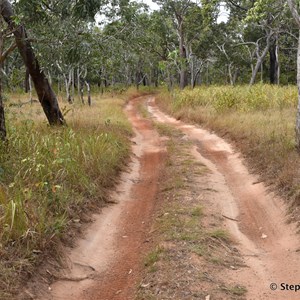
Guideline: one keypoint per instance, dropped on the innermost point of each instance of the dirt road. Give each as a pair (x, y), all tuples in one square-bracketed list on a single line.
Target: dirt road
[(106, 264), (269, 246)]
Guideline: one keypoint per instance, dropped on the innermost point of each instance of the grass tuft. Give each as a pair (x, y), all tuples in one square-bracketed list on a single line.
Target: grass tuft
[(153, 257)]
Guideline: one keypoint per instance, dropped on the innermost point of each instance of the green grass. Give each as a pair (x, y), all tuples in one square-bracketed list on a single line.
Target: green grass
[(220, 234), (197, 211), (49, 176), (153, 257), (164, 129)]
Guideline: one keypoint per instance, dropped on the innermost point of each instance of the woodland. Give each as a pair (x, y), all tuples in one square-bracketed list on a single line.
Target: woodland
[(68, 69), (71, 45)]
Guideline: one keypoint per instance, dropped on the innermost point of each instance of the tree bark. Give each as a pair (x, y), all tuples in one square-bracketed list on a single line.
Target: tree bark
[(183, 60), (30, 90), (80, 86), (67, 86), (2, 115), (89, 93), (73, 85), (260, 60), (274, 62), (26, 81), (230, 74), (44, 91), (298, 108)]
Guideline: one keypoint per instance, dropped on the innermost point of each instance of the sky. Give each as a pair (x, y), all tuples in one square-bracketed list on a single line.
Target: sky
[(152, 5), (222, 17)]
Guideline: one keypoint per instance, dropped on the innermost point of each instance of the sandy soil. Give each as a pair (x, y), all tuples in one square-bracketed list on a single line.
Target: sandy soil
[(106, 263)]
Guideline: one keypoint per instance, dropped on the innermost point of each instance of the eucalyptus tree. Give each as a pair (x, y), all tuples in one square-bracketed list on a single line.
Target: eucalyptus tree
[(130, 47), (268, 15), (45, 93), (177, 10), (264, 23)]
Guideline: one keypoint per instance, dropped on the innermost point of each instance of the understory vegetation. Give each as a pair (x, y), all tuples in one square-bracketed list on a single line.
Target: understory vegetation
[(260, 120), (51, 179)]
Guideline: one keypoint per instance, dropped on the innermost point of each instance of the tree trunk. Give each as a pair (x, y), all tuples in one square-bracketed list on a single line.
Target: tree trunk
[(30, 90), (89, 93), (26, 81), (274, 63), (170, 79), (183, 60), (2, 115), (80, 86), (44, 91), (192, 66), (230, 74), (50, 78), (260, 60), (67, 86), (207, 74), (298, 108), (195, 78), (235, 76), (73, 85)]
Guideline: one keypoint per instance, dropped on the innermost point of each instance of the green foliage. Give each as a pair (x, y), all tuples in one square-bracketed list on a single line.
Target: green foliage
[(87, 9)]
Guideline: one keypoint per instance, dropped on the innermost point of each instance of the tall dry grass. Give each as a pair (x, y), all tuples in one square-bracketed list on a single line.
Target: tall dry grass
[(49, 177), (259, 120)]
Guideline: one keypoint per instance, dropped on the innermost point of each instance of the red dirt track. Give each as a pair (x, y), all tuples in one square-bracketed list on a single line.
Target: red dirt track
[(107, 262), (114, 243)]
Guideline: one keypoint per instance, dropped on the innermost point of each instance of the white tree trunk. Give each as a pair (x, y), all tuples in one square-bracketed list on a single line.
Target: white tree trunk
[(78, 83), (73, 84), (89, 93), (260, 60)]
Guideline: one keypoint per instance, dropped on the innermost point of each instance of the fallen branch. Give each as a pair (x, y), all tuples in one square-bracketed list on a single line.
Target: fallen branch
[(257, 182), (20, 104), (232, 219), (67, 278)]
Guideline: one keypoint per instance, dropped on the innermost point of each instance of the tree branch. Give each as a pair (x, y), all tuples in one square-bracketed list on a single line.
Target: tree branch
[(237, 5), (11, 48)]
